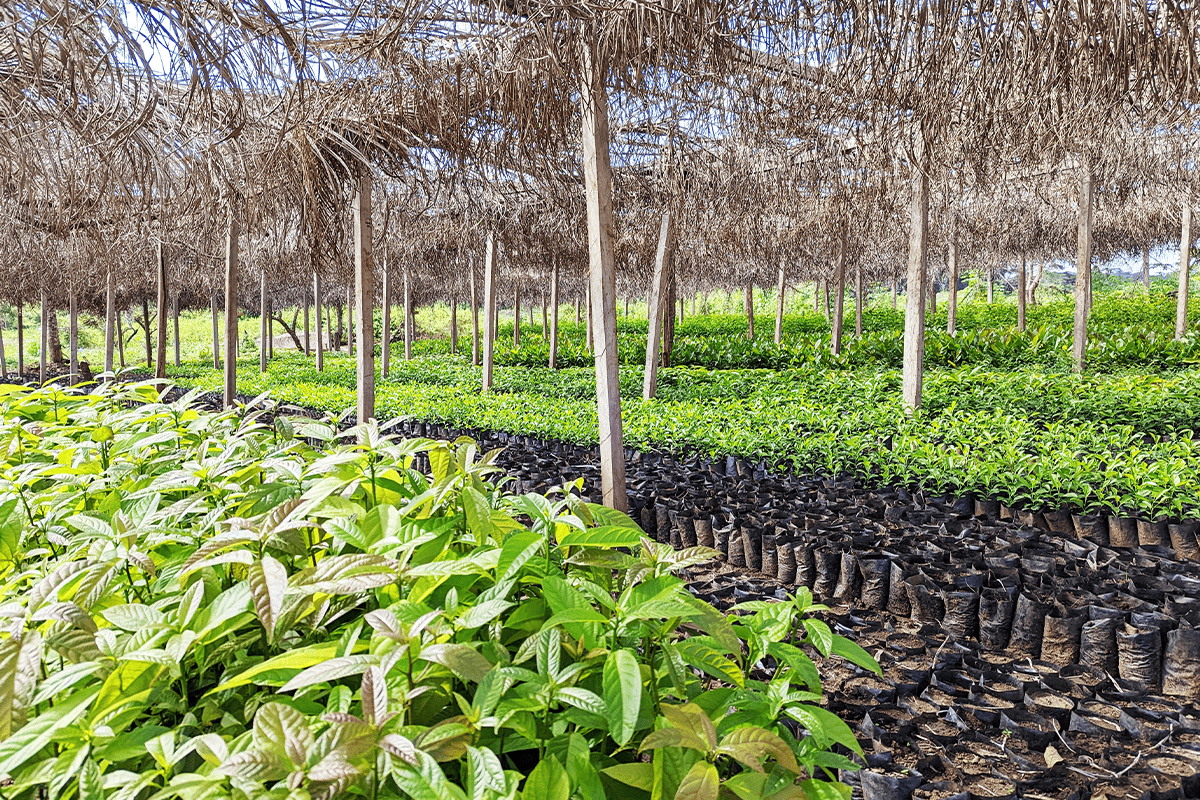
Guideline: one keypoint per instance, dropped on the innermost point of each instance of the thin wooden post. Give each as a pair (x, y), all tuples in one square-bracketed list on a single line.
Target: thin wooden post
[(3, 361), (120, 342), (350, 314), (318, 319), (231, 309), (933, 281), (587, 319), (668, 315), (175, 325), (578, 317), (545, 319), (364, 290), (307, 335), (408, 316), (914, 301), (262, 321), (160, 361), (216, 335), (779, 290), (1146, 270), (749, 304), (474, 312), (110, 313), (489, 310), (21, 338), (858, 302), (1083, 270), (990, 284), (516, 316), (952, 268), (817, 296), (825, 299), (453, 324), (45, 338), (554, 313), (73, 334), (839, 297), (602, 306), (895, 290), (1021, 296), (146, 328), (385, 345), (658, 289), (1185, 263)]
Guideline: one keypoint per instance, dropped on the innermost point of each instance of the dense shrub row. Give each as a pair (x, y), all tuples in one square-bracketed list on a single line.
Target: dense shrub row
[(204, 605)]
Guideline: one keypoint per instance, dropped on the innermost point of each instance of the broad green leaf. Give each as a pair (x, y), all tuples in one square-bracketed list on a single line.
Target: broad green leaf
[(820, 635), (825, 727), (548, 781), (622, 694), (331, 670), (134, 617), (639, 775), (281, 728), (708, 659), (606, 537), (280, 668), (464, 661), (751, 745), (824, 790), (700, 783), (20, 664), (268, 584), (841, 646)]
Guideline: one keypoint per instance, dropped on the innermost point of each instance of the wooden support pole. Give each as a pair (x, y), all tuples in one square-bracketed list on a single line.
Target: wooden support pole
[(587, 320), (895, 290), (668, 320), (45, 338), (110, 321), (231, 309), (453, 323), (991, 284), (554, 313), (146, 330), (307, 334), (602, 306), (578, 317), (73, 334), (817, 297), (262, 321), (749, 304), (474, 312), (385, 345), (658, 290), (914, 301), (364, 291), (858, 302), (21, 338), (933, 292), (839, 296), (545, 316), (408, 316), (216, 335), (1146, 270), (318, 320), (1021, 296), (952, 268), (3, 360), (1083, 270), (160, 361), (825, 299), (489, 310), (120, 342), (516, 316), (350, 313), (1185, 263), (175, 325), (779, 291)]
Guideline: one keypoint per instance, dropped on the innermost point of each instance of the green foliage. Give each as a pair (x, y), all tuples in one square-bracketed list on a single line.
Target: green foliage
[(207, 605)]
